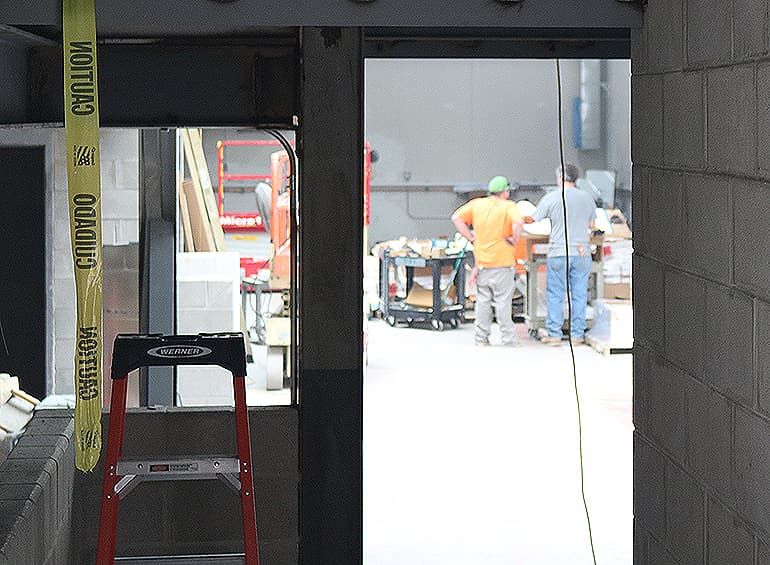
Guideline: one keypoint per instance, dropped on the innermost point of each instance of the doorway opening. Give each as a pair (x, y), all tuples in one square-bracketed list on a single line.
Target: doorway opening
[(472, 452)]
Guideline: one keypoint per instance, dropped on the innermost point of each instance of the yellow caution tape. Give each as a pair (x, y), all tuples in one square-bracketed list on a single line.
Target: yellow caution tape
[(81, 122)]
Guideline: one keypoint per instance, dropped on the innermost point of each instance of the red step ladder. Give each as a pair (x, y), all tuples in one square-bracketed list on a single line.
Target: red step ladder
[(122, 475)]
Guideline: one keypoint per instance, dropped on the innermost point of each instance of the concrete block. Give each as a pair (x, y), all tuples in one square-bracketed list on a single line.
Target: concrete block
[(762, 333), (128, 232), (658, 555), (649, 315), (204, 386), (127, 174), (208, 320), (709, 435), (110, 232), (65, 351), (641, 542), (119, 143), (751, 208), (729, 343), (763, 553), (684, 517), (642, 376), (60, 176), (685, 321), (62, 264), (65, 320), (649, 487), (222, 294), (664, 221), (191, 294), (209, 266), (120, 205), (709, 36), (665, 33), (647, 119), (640, 178), (61, 234), (752, 467), (48, 515), (666, 406), (683, 124), (708, 226), (107, 175), (732, 115), (729, 539), (23, 532), (763, 118), (749, 27), (61, 209), (64, 380)]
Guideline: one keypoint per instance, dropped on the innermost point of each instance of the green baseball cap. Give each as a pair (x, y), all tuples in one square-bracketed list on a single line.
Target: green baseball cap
[(498, 184)]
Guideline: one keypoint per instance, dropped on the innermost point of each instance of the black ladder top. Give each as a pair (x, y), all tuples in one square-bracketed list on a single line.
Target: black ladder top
[(132, 351)]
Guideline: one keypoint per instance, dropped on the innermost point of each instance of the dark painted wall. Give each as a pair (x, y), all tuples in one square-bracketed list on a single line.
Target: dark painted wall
[(23, 265)]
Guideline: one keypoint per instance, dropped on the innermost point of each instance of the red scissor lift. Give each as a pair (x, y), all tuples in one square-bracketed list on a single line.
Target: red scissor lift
[(240, 221), (252, 221)]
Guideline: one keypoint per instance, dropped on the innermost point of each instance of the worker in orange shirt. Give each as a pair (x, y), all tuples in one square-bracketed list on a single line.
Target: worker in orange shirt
[(496, 227)]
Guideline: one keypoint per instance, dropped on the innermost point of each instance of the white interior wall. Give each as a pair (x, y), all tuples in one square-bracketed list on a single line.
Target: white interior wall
[(437, 124)]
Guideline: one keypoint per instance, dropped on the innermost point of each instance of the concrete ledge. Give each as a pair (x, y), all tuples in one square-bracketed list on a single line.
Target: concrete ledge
[(36, 483)]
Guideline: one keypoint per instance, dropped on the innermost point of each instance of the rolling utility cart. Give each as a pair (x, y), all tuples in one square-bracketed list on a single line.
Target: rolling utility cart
[(441, 308), (121, 474)]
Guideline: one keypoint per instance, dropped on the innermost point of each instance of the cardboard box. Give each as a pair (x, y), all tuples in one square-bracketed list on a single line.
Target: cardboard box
[(619, 291), (422, 297)]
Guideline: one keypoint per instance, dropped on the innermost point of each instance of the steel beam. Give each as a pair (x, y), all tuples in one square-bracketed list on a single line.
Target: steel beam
[(330, 381), (165, 85), (117, 18), (499, 43), (157, 259)]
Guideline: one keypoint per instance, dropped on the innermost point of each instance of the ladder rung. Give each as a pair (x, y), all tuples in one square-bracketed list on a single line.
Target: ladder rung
[(216, 559), (172, 467)]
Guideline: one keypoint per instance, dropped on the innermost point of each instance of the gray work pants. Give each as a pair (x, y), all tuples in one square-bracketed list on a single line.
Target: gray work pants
[(494, 287)]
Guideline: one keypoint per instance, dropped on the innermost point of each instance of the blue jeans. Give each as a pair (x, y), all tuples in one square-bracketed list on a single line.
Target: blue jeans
[(556, 289)]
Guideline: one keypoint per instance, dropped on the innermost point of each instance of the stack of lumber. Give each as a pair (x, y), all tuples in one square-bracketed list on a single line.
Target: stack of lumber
[(198, 207)]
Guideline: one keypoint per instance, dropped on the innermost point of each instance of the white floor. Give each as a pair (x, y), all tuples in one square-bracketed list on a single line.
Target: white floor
[(471, 454)]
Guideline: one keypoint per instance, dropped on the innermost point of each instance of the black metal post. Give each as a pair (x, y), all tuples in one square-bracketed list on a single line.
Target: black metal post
[(331, 147), (157, 249)]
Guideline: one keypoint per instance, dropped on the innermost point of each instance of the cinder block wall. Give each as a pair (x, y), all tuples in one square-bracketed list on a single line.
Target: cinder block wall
[(700, 122)]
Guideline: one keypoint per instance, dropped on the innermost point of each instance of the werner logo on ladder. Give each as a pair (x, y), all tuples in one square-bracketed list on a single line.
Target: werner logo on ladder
[(121, 475)]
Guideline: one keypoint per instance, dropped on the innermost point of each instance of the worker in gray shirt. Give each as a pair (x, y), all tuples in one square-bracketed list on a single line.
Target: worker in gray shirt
[(580, 221)]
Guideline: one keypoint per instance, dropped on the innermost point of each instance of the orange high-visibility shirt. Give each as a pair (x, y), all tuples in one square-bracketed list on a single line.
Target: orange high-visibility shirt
[(492, 219)]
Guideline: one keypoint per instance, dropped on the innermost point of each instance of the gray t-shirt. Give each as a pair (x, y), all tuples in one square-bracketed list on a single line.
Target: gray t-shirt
[(580, 211)]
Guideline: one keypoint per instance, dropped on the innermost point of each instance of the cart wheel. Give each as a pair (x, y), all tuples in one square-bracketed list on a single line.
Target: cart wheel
[(533, 334), (437, 325), (409, 322), (454, 323), (391, 320)]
